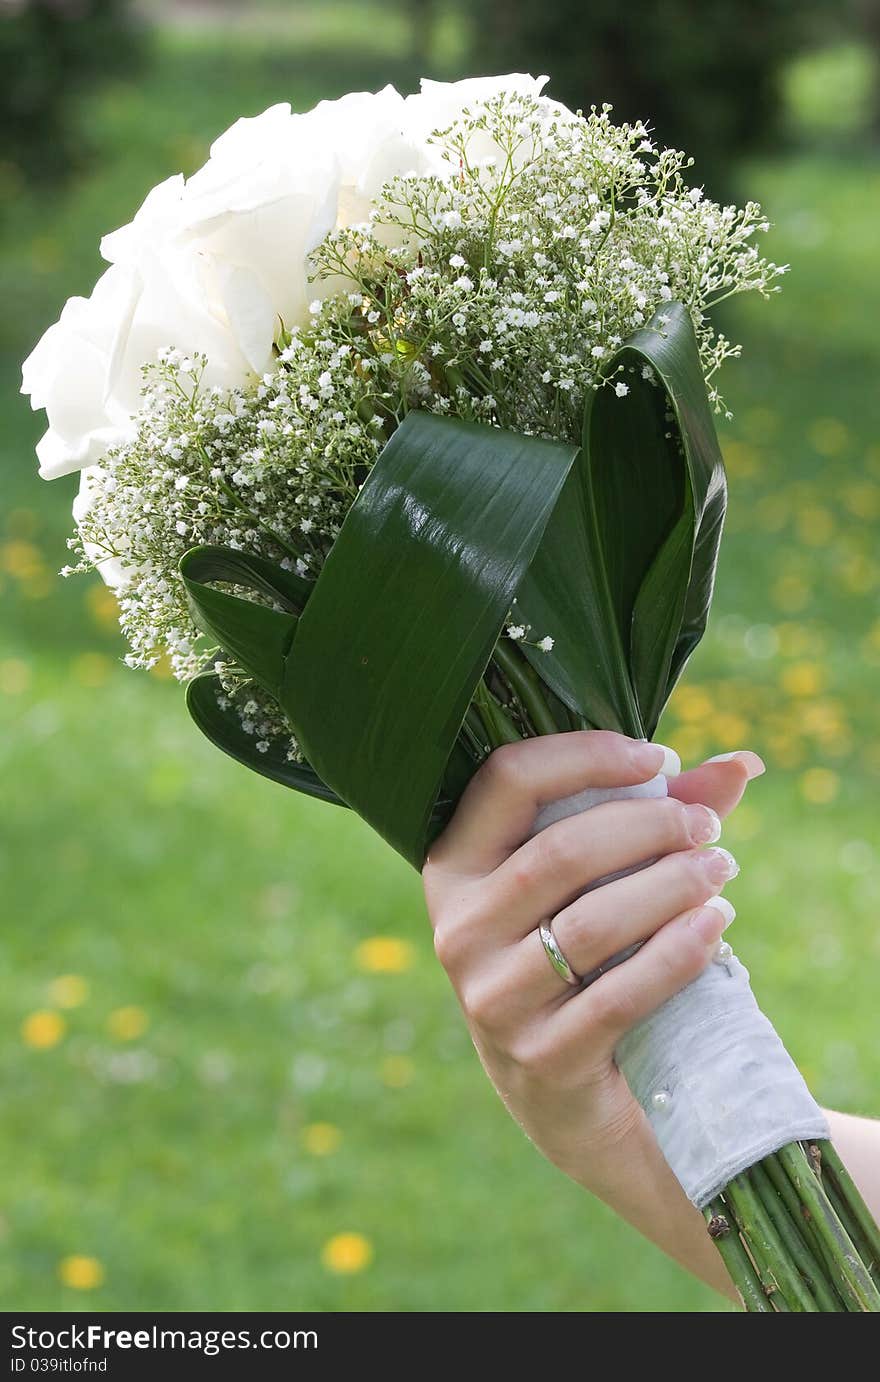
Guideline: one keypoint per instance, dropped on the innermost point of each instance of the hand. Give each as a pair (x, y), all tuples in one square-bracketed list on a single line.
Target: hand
[(548, 1047)]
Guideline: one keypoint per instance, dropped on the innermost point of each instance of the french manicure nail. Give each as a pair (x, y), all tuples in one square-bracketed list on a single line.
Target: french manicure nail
[(752, 762), (656, 758), (708, 924), (727, 909), (720, 865), (671, 764), (704, 824)]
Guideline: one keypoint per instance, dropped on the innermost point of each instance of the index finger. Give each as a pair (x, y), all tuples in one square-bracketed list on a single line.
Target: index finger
[(498, 808)]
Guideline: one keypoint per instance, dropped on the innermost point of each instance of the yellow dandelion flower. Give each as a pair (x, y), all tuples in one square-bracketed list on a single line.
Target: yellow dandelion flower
[(731, 729), (862, 498), (384, 955), (15, 676), (740, 459), (68, 990), (397, 1071), (803, 679), (692, 703), (321, 1139), (21, 559), (43, 1029), (791, 593), (81, 1273), (91, 669), (828, 435), (785, 750), (689, 742), (815, 525), (347, 1253), (819, 785), (821, 718), (859, 573), (127, 1024), (102, 605), (797, 639)]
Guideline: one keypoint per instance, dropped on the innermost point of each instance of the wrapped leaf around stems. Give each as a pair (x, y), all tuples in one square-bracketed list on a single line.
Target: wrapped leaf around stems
[(610, 548)]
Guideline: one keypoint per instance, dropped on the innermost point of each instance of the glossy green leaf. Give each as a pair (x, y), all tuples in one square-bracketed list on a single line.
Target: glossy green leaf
[(677, 594), (623, 578), (253, 635), (407, 609)]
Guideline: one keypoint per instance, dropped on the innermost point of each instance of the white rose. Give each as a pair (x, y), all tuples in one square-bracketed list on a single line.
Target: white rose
[(373, 140), (67, 374), (264, 200), (441, 104), (87, 369)]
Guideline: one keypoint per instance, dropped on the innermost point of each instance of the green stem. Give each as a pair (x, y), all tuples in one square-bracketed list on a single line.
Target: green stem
[(735, 1258), (499, 728), (525, 684), (776, 1271), (789, 1197), (867, 1229), (840, 1209), (851, 1275), (474, 735), (787, 1226)]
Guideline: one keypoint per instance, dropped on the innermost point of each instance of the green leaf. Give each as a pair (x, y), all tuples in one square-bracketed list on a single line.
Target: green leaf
[(685, 576), (623, 578), (255, 636), (566, 595), (407, 609), (222, 726), (247, 569)]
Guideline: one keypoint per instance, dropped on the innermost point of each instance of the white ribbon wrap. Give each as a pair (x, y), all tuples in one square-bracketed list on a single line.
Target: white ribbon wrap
[(719, 1088)]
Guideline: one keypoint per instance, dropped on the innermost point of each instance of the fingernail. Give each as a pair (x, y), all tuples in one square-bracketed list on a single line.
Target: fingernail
[(704, 825), (663, 759), (708, 924), (752, 762), (720, 865), (727, 909)]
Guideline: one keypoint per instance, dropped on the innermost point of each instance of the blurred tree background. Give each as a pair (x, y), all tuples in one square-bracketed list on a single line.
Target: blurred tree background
[(51, 51), (231, 1074)]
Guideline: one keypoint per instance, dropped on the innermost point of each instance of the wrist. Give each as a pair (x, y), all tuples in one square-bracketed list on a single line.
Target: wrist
[(633, 1179)]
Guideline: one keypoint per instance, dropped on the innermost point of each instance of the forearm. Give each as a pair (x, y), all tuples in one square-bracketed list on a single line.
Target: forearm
[(858, 1142), (640, 1187)]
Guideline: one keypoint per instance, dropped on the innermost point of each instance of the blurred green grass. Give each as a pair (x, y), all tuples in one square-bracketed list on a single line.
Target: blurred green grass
[(163, 1126)]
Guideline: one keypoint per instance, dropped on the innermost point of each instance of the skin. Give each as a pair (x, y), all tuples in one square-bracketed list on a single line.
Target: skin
[(548, 1047)]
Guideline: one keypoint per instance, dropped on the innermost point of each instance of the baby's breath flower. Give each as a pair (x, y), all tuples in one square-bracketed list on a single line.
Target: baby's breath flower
[(510, 284)]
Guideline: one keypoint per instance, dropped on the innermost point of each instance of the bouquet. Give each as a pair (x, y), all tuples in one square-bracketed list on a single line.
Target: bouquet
[(395, 431)]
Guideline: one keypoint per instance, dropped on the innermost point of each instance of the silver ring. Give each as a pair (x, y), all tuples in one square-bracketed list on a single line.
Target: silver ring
[(555, 955)]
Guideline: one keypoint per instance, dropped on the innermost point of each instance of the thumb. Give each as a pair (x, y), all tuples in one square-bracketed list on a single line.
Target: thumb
[(719, 782)]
